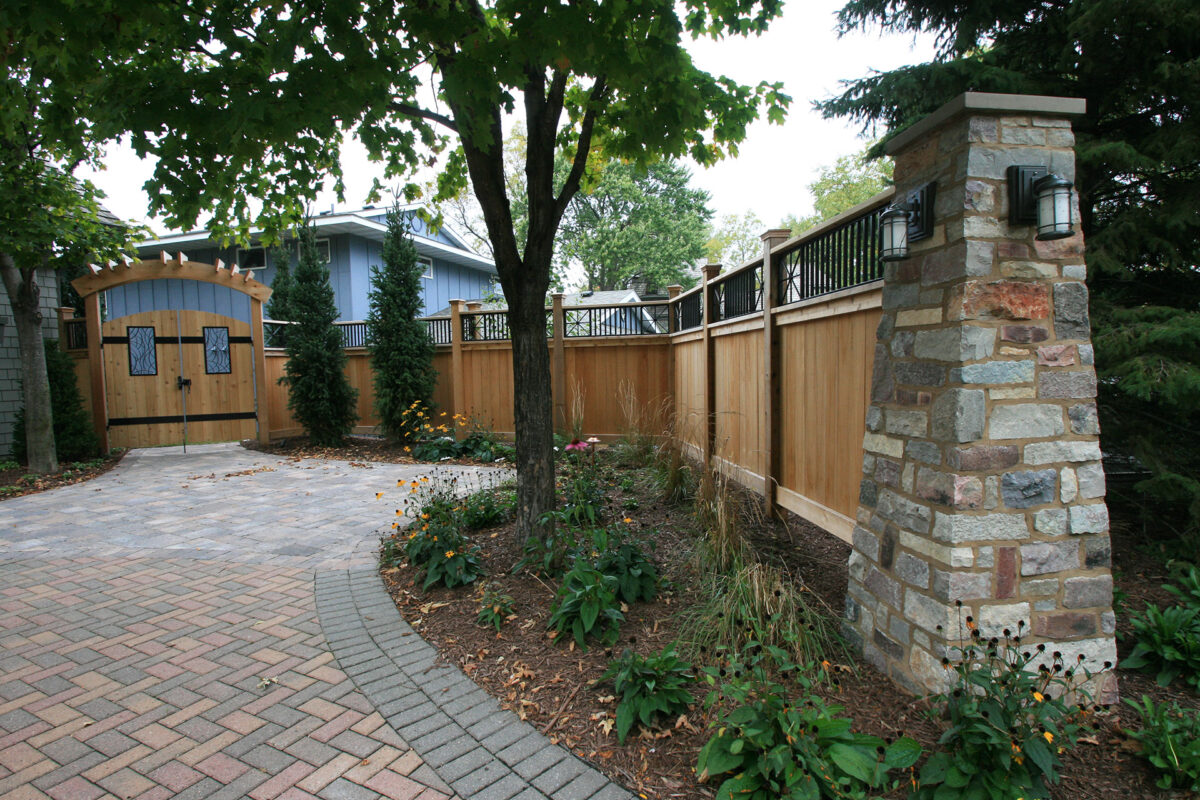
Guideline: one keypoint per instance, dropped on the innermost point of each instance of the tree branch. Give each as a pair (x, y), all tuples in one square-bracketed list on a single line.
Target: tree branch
[(571, 186), (416, 111)]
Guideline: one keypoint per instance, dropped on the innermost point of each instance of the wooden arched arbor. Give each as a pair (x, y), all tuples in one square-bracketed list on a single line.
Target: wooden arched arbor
[(166, 267)]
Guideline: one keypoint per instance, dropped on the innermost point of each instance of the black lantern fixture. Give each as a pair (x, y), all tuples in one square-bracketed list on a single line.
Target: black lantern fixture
[(908, 221), (893, 224), (1036, 197)]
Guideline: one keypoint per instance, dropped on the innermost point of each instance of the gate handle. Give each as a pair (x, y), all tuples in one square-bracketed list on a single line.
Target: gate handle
[(181, 382)]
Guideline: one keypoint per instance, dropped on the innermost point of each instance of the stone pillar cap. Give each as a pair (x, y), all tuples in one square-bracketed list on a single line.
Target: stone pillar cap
[(988, 103)]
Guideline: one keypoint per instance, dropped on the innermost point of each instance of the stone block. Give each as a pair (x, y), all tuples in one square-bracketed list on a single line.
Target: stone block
[(883, 381), (983, 129), (899, 630), (955, 344), (1087, 354), (1012, 393), (916, 317), (1058, 355), (929, 672), (1053, 452), (883, 445), (1069, 385), (887, 472), (1084, 419), (1064, 625), (930, 614), (902, 343), (1042, 587), (991, 492), (1033, 137), (958, 415), (857, 565), (865, 542), (1029, 488), (905, 513), (1006, 573), (1051, 521), (900, 295), (918, 373), (993, 620), (960, 528), (907, 423), (1024, 334), (883, 587), (1091, 480), (983, 458), (1071, 320), (999, 300), (952, 556), (868, 492), (1041, 558), (951, 586), (1075, 272), (912, 570), (948, 489), (890, 648), (1026, 421), (1092, 518), (874, 418), (991, 372), (926, 452), (887, 324), (1094, 592), (1032, 270), (909, 397), (980, 227), (1068, 485), (887, 546)]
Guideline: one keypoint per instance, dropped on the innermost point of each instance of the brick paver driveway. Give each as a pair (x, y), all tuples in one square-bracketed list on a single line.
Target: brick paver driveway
[(210, 625)]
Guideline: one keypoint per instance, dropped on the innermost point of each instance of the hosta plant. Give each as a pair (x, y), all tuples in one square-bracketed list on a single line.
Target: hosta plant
[(587, 605), (649, 687)]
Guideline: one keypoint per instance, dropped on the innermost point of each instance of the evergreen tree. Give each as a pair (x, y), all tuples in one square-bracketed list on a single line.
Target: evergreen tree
[(1138, 179), (401, 352), (319, 394), (279, 306), (74, 437)]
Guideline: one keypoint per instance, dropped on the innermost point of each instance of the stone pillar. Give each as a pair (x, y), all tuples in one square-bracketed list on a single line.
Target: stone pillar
[(982, 482)]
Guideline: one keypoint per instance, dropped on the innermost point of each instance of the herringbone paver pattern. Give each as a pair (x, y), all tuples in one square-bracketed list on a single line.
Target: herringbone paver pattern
[(183, 678)]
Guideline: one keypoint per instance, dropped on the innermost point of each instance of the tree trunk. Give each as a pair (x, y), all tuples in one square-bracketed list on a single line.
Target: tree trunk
[(22, 288), (532, 409)]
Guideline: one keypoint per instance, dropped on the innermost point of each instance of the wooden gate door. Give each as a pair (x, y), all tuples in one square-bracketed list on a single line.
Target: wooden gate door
[(171, 374)]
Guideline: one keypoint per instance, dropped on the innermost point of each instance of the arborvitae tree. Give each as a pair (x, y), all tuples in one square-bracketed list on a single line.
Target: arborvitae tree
[(319, 394), (279, 306), (1138, 177), (74, 437), (401, 352)]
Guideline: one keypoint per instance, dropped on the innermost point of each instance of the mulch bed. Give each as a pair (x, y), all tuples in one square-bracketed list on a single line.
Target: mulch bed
[(556, 688), (18, 481)]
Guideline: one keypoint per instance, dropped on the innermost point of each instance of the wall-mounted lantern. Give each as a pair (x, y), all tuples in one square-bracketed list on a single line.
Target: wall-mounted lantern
[(1036, 197), (910, 220)]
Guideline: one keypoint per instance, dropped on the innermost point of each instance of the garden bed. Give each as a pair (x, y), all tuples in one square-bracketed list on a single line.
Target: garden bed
[(16, 480), (558, 688)]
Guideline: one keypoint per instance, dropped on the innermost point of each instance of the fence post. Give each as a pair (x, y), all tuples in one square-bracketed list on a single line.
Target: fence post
[(64, 313), (96, 368), (672, 292), (708, 315), (770, 388), (262, 409), (456, 359), (558, 363)]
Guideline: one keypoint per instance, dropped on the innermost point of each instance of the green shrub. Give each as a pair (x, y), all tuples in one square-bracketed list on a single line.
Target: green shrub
[(74, 437), (1008, 722), (453, 567), (1168, 643), (649, 687), (623, 559), (482, 510), (775, 744), (494, 607), (1186, 585), (587, 605), (319, 394), (1170, 738), (400, 347), (585, 501)]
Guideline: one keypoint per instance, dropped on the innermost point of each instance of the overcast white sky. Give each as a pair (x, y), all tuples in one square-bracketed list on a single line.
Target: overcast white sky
[(776, 162)]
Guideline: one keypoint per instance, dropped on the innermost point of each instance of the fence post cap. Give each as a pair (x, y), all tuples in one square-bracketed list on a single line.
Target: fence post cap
[(776, 234), (711, 270), (674, 289)]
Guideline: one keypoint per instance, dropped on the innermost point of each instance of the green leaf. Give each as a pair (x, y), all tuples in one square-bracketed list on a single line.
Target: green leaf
[(853, 761)]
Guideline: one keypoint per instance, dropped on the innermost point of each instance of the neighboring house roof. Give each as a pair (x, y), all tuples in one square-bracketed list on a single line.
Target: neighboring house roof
[(608, 322), (351, 222)]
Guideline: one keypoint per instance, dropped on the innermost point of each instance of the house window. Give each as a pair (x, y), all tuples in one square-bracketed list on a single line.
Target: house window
[(143, 355), (252, 257), (427, 267), (216, 351), (323, 251)]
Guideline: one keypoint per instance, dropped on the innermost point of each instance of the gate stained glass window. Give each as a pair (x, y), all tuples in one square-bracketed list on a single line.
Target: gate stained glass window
[(216, 351), (143, 358)]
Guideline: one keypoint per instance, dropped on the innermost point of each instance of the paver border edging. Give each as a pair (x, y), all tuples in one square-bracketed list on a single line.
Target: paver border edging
[(481, 750)]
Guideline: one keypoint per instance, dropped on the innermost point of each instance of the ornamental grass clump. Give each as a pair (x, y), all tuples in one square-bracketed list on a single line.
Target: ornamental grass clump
[(1013, 712)]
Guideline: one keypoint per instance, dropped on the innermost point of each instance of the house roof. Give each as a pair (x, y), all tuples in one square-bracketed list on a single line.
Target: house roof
[(350, 222), (604, 298)]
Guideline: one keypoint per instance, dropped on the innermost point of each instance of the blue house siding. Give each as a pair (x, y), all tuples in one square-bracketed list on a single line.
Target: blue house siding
[(173, 294), (452, 282)]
